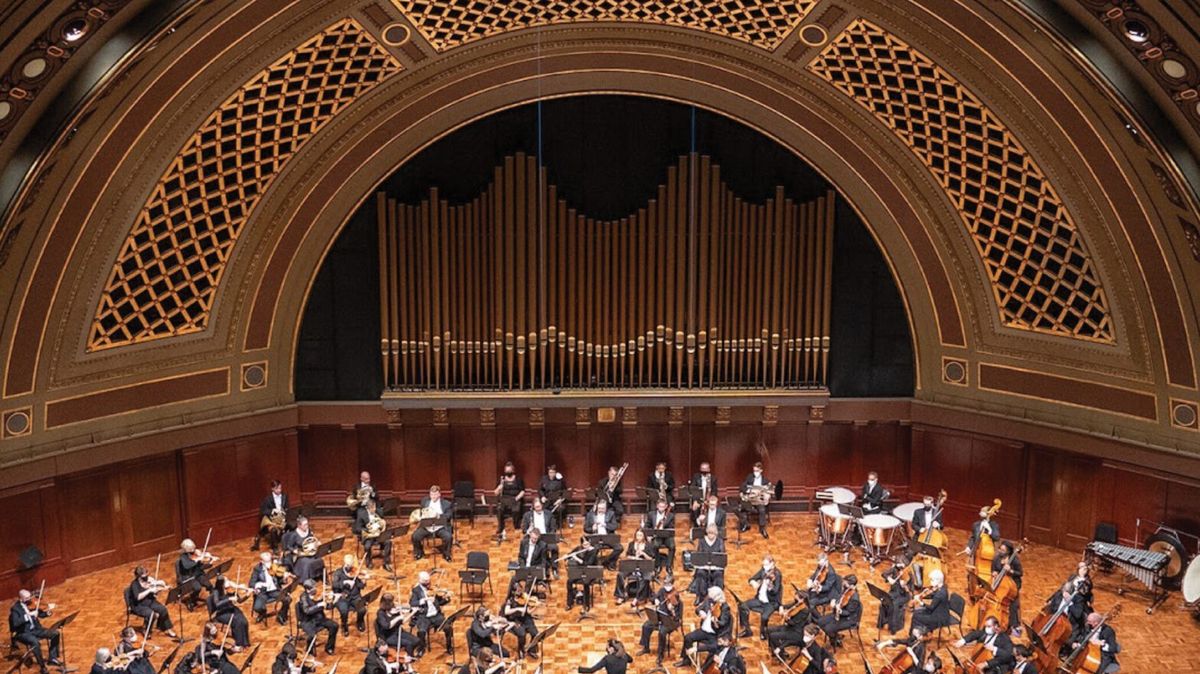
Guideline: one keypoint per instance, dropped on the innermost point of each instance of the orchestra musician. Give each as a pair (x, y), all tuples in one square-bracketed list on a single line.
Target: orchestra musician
[(706, 482), (101, 662), (873, 494), (601, 522), (754, 479), (487, 631), (189, 572), (845, 611), (517, 609), (361, 492), (428, 606), (1025, 662), (715, 620), (615, 660), (712, 513), (1082, 582), (533, 552), (539, 519), (705, 578), (223, 609), (376, 661), (1006, 558), (1076, 610), (144, 601), (434, 505), (272, 513), (210, 654), (482, 662), (933, 610), (613, 497), (390, 621), (348, 582), (285, 661), (511, 492), (925, 518), (892, 616), (371, 526), (1106, 639), (984, 525), (662, 519), (25, 626), (994, 640), (268, 579), (779, 640), (824, 585), (768, 596), (579, 590), (134, 655), (915, 645), (662, 482), (635, 586), (300, 547), (724, 658), (668, 607), (311, 618), (552, 493)]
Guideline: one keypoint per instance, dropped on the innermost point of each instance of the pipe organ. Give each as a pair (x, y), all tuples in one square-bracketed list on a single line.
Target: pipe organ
[(515, 290)]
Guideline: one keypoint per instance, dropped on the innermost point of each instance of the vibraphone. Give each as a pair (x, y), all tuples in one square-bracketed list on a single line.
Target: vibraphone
[(1147, 566)]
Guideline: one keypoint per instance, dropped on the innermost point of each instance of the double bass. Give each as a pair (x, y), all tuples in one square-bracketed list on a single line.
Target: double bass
[(1085, 659), (996, 598), (985, 552), (1051, 630)]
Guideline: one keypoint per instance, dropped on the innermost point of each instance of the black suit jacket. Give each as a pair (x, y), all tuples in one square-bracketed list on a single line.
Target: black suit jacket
[(552, 489), (718, 518), (16, 620), (1015, 570), (852, 611), (872, 499), (920, 522), (667, 523), (187, 568), (733, 663), (973, 540), (938, 607), (1004, 646), (775, 593), (749, 481), (527, 521), (268, 504), (610, 663), (1030, 668), (539, 553), (712, 482), (652, 483), (610, 522), (374, 664)]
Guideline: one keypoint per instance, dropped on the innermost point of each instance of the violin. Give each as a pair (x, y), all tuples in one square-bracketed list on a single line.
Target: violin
[(842, 601), (921, 598), (278, 570)]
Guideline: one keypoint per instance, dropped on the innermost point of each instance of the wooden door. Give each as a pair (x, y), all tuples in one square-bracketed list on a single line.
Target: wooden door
[(1060, 499)]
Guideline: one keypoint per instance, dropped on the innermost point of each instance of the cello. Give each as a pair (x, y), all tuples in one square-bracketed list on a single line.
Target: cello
[(1085, 659)]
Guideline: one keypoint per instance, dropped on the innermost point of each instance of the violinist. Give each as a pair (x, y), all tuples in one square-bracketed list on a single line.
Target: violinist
[(609, 489), (932, 605), (668, 607), (1025, 662), (311, 618), (100, 665), (768, 595), (487, 631), (285, 661), (133, 657), (189, 572), (635, 586), (724, 658), (552, 494), (25, 626), (390, 621), (715, 620), (539, 518), (997, 643), (517, 609), (754, 479), (482, 662), (300, 547), (706, 483), (511, 492), (434, 505), (143, 602), (712, 514), (1105, 639), (579, 590), (662, 519), (272, 513), (845, 613), (602, 521), (1006, 559), (823, 585), (792, 631), (662, 482), (892, 615), (708, 577), (371, 526), (873, 494), (926, 517), (210, 655), (348, 582), (267, 579), (532, 551), (914, 646), (223, 609), (361, 492), (377, 661), (615, 660), (428, 605)]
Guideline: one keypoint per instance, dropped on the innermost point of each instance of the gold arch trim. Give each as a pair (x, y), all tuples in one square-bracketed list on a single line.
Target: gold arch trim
[(168, 270), (1041, 274)]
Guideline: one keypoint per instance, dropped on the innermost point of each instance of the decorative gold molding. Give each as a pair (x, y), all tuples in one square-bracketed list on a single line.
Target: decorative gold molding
[(583, 416), (770, 415), (487, 416), (16, 423), (675, 416), (254, 375), (441, 416), (629, 416), (724, 414), (1041, 274), (537, 416), (955, 371)]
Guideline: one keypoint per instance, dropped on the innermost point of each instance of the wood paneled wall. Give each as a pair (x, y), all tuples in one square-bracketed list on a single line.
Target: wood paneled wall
[(134, 509)]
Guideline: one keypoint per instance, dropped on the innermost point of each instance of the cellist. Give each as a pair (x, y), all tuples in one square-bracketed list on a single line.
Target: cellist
[(1025, 661), (996, 643), (914, 647)]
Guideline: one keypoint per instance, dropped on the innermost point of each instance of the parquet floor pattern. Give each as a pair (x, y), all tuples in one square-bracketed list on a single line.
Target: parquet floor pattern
[(1163, 642)]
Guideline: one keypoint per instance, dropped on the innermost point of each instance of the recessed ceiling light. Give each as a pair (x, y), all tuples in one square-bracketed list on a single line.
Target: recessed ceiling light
[(1173, 69), (75, 30), (34, 68)]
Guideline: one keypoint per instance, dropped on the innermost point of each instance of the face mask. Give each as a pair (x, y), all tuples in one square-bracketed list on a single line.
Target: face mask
[(508, 473), (989, 631), (767, 565), (808, 639), (929, 667)]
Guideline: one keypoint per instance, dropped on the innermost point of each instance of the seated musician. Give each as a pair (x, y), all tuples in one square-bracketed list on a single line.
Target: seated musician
[(579, 591), (272, 512), (804, 636), (613, 497), (706, 483), (715, 620), (25, 626), (1069, 603), (348, 583), (268, 582), (704, 578), (511, 495), (390, 621), (1082, 582), (371, 526), (892, 616), (768, 595), (846, 611), (914, 645), (486, 631), (754, 479), (133, 653), (712, 513), (983, 525), (434, 505), (1025, 662), (724, 658), (300, 548), (668, 610), (544, 522), (601, 522), (311, 618), (994, 640), (532, 551), (1105, 639), (933, 610), (615, 660), (285, 661), (429, 618), (925, 517), (552, 494), (101, 663), (662, 482), (635, 586), (517, 609), (189, 572), (210, 655), (362, 491), (144, 601), (823, 584), (223, 609), (662, 519), (1007, 559), (482, 662), (873, 494)]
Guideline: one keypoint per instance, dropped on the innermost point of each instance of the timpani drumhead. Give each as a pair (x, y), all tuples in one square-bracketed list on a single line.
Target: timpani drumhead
[(1191, 581), (831, 510), (905, 511), (841, 495), (878, 521), (1168, 543)]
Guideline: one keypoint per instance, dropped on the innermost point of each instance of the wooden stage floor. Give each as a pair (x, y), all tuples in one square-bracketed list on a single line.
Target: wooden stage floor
[(1163, 642)]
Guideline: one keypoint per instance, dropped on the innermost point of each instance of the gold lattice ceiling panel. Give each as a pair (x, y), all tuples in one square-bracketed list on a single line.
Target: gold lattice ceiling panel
[(1040, 271), (168, 270), (452, 23)]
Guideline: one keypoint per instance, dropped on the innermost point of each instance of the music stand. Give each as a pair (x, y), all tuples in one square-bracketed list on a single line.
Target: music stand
[(855, 513), (736, 505), (388, 535), (62, 639), (367, 599), (249, 659), (536, 642), (330, 547), (590, 575), (218, 570), (436, 521), (710, 561), (648, 495), (885, 600), (447, 621), (919, 548), (646, 566), (166, 663)]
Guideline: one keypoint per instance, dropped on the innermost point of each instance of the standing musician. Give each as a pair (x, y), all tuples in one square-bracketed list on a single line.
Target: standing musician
[(1025, 662), (705, 578), (390, 621), (925, 517), (511, 492), (662, 519), (873, 494), (932, 605), (768, 595), (580, 590), (914, 645), (267, 579), (662, 482), (311, 618), (1082, 582), (371, 526), (609, 489), (845, 613), (300, 552), (635, 586), (1106, 639), (223, 609), (601, 521), (539, 519), (132, 657), (273, 514), (715, 620), (615, 660), (706, 482), (754, 479), (533, 552), (348, 582), (711, 513), (984, 525), (824, 585), (668, 607), (517, 609), (892, 616), (1007, 559), (429, 617), (189, 572), (434, 506), (25, 626), (210, 655), (360, 493), (994, 640), (144, 602), (487, 631), (552, 493)]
